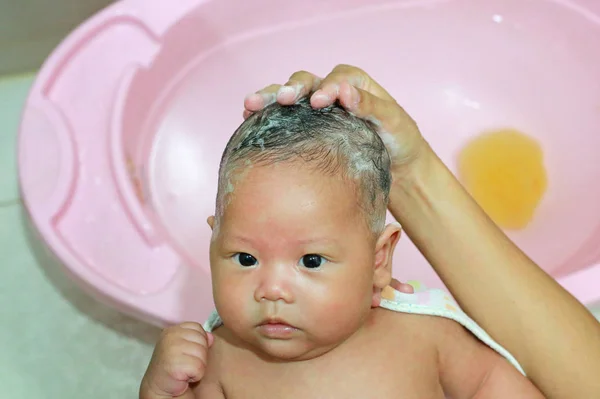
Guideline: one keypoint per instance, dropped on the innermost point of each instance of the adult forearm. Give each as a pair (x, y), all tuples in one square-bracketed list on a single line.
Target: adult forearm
[(553, 336)]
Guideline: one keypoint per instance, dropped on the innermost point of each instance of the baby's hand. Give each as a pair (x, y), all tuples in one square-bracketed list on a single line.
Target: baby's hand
[(179, 360)]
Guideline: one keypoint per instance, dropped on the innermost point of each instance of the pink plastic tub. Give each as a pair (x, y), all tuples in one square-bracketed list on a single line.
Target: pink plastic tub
[(124, 126)]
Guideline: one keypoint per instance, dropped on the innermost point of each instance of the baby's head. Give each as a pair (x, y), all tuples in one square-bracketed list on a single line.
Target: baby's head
[(300, 251)]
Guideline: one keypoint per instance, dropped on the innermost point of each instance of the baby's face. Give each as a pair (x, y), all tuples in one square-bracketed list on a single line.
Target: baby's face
[(294, 264)]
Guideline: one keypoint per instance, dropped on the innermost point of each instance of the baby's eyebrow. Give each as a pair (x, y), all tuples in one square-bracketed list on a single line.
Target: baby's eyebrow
[(300, 241), (241, 239), (317, 240)]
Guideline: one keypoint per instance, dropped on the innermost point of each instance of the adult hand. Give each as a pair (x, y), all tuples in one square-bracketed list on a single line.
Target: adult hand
[(462, 243), (402, 287), (362, 96)]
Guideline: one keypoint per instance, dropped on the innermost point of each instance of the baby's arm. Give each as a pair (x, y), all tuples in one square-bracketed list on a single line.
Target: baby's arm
[(471, 370)]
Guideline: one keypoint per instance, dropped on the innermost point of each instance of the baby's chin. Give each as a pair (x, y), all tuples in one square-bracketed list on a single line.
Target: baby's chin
[(289, 350)]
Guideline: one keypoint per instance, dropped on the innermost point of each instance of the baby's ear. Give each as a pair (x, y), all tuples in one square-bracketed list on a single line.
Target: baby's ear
[(384, 251), (211, 222)]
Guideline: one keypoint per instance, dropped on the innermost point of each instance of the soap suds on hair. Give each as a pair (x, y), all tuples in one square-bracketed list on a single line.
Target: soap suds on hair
[(390, 143), (330, 139)]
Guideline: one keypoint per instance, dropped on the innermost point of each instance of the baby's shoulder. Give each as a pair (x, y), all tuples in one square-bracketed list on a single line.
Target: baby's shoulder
[(441, 335), (391, 328), (425, 331), (428, 326)]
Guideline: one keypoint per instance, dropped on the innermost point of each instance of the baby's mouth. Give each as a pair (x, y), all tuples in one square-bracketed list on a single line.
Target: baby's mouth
[(276, 328)]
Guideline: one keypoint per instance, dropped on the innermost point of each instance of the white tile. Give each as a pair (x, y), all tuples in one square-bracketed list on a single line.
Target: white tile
[(13, 92), (56, 338)]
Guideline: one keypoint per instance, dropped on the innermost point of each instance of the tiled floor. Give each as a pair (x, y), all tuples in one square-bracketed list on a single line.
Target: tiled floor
[(13, 92), (55, 341)]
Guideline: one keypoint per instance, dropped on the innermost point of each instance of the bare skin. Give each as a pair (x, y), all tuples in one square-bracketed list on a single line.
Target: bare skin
[(463, 245), (396, 356), (178, 362), (340, 344)]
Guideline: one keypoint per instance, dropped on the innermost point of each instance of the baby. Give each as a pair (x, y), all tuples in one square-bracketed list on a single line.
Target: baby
[(301, 263)]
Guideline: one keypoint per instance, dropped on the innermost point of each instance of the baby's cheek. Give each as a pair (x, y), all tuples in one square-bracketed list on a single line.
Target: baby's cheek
[(331, 321), (228, 302), (334, 308), (342, 313)]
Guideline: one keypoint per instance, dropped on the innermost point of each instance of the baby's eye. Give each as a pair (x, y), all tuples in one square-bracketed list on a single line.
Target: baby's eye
[(312, 261), (245, 259)]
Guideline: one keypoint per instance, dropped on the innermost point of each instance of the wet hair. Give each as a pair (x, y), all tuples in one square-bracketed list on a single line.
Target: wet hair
[(330, 140)]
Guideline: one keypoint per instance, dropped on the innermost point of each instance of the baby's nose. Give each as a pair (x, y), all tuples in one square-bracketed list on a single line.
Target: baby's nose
[(275, 284)]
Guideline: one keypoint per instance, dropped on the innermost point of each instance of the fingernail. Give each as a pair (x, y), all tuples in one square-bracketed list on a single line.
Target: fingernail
[(320, 94), (250, 95), (288, 91)]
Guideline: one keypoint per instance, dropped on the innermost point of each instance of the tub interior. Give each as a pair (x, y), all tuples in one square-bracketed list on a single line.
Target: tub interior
[(459, 68)]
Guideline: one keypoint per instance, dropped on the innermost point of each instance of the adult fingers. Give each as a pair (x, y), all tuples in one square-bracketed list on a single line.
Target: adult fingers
[(402, 287), (329, 89), (299, 85), (393, 122), (257, 101)]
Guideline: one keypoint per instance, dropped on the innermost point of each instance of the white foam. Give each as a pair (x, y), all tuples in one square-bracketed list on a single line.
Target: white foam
[(390, 143)]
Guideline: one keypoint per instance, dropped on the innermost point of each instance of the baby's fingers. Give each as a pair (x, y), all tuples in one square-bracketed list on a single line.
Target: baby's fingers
[(176, 376), (186, 368), (194, 332)]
